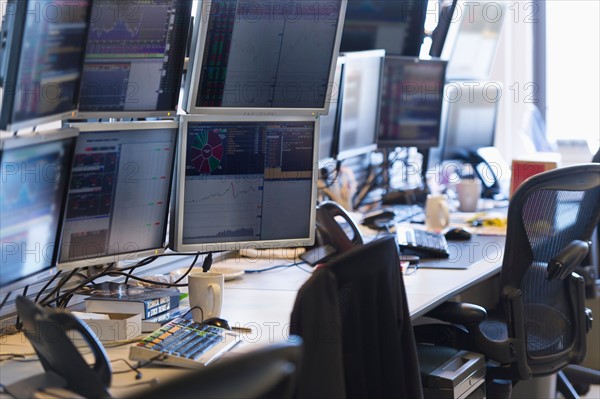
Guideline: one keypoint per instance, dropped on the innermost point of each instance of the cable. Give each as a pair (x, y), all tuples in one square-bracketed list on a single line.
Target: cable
[(56, 289), (10, 356), (192, 308), (39, 294), (189, 270), (286, 266), (152, 382), (143, 280), (5, 299), (207, 262), (324, 175), (297, 264), (138, 375), (121, 271), (269, 268)]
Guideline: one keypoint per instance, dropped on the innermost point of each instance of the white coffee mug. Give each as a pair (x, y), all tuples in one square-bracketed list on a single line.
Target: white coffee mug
[(437, 215), (468, 192), (206, 294)]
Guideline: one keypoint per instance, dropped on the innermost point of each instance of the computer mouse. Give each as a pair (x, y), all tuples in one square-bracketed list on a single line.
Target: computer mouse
[(458, 234), (379, 219), (217, 322)]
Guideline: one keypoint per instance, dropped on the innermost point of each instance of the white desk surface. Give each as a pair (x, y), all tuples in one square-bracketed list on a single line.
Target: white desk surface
[(263, 302)]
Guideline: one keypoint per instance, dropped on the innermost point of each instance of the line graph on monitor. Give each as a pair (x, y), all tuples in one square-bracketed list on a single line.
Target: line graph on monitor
[(221, 209)]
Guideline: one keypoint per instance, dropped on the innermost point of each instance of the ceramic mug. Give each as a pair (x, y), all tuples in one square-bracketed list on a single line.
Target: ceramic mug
[(206, 293), (468, 192), (437, 214)]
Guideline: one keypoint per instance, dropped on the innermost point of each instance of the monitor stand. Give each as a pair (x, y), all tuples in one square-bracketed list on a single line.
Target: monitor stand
[(409, 195)]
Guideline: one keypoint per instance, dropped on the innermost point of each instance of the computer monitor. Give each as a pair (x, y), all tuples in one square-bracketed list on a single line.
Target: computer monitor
[(469, 127), (411, 104), (329, 124), (245, 181), (134, 58), (470, 118), (398, 27), (34, 181), (444, 19), (42, 60), (118, 200), (263, 58), (360, 101), (472, 39)]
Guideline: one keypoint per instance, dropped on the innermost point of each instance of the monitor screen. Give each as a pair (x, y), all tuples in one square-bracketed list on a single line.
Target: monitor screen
[(245, 182), (470, 117), (35, 172), (264, 58), (411, 104), (329, 123), (118, 200), (472, 39), (361, 97), (134, 58), (398, 27), (42, 60)]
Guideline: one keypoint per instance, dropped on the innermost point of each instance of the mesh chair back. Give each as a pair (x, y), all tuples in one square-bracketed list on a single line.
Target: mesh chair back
[(547, 213)]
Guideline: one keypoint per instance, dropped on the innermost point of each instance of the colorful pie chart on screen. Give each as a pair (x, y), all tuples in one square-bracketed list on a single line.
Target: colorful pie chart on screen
[(206, 152)]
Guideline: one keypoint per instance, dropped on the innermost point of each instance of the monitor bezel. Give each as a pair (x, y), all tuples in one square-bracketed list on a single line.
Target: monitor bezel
[(353, 152), (331, 157), (177, 213), (95, 127), (415, 27), (192, 79), (11, 63), (465, 86), (420, 144), (121, 114), (28, 140), (454, 31)]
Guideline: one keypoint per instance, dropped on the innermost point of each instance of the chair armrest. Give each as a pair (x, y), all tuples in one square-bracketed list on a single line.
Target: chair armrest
[(565, 262), (459, 312)]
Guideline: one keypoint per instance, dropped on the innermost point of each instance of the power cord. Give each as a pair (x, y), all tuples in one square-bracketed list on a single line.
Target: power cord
[(109, 271), (286, 266), (138, 375), (5, 299)]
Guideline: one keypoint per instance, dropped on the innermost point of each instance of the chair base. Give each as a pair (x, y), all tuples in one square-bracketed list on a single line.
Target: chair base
[(565, 387), (498, 389)]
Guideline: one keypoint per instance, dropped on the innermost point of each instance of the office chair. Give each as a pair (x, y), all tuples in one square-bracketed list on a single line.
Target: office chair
[(583, 377), (353, 317), (541, 323), (266, 373)]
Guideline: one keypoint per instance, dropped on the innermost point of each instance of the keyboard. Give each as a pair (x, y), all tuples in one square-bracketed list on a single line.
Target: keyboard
[(184, 343), (423, 243), (407, 212)]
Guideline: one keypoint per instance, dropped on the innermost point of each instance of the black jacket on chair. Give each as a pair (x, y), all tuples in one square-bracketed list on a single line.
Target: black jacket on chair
[(358, 339)]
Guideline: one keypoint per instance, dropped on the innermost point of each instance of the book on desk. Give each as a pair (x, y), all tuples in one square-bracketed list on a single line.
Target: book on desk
[(122, 298)]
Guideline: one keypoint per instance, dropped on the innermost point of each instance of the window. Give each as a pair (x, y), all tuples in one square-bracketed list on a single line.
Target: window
[(572, 67)]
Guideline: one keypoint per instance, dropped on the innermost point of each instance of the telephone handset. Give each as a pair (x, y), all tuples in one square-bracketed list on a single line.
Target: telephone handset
[(49, 331), (490, 167), (333, 226)]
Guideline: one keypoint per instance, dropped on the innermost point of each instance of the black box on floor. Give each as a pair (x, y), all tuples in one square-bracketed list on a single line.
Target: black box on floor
[(448, 373)]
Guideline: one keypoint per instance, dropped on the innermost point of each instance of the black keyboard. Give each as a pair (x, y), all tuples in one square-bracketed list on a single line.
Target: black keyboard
[(423, 243), (184, 343), (407, 212)]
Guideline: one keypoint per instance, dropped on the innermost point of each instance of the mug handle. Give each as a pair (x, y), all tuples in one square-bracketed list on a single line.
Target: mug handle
[(217, 294)]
